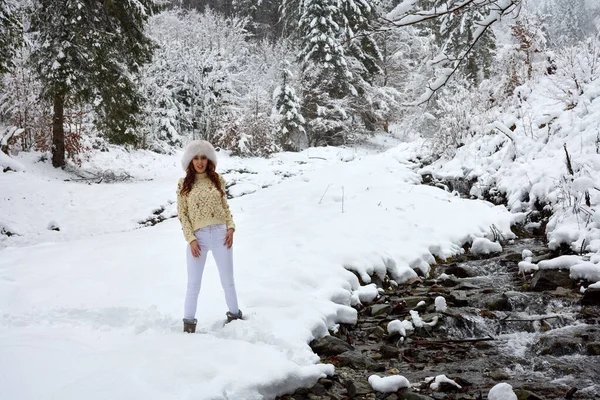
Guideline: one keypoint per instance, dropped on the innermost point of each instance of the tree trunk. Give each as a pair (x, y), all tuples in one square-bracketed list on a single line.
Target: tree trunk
[(58, 131)]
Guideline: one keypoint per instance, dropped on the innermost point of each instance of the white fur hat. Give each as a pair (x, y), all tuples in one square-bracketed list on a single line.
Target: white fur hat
[(200, 148)]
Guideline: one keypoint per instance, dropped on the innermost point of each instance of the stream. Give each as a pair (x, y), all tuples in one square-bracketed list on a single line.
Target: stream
[(530, 331)]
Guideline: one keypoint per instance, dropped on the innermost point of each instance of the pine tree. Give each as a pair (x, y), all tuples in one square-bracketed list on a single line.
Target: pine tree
[(357, 16), (287, 105), (454, 34), (319, 33), (11, 35), (91, 51)]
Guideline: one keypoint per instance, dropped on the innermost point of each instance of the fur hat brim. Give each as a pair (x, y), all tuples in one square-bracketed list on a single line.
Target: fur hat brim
[(198, 148)]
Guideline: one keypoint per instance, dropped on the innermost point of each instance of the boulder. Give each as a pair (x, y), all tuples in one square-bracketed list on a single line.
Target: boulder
[(357, 360), (591, 297), (329, 346), (550, 279), (388, 351), (379, 309), (458, 271)]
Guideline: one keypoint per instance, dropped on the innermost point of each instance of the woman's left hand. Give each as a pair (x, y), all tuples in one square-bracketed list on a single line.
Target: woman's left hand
[(229, 238)]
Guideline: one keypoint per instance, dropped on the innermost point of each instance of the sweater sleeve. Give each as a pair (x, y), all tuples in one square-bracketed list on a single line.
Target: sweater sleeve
[(228, 216), (182, 212)]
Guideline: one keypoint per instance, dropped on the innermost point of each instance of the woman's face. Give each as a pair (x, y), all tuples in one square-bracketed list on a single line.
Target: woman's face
[(200, 163)]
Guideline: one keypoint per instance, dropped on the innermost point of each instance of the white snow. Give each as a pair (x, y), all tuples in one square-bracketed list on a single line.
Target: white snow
[(440, 304), (527, 266), (482, 245), (526, 253), (96, 308), (562, 262), (9, 162), (502, 391), (416, 319), (388, 384), (442, 378), (585, 270), (367, 293), (400, 326), (594, 285)]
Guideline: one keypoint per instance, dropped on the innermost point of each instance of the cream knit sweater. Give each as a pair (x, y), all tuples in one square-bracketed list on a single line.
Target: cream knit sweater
[(202, 206)]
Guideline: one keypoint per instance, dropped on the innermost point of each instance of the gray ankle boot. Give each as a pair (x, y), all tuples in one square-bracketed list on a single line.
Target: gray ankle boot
[(233, 317), (189, 325)]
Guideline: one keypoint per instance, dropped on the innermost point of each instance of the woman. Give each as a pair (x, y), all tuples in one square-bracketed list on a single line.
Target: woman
[(207, 226)]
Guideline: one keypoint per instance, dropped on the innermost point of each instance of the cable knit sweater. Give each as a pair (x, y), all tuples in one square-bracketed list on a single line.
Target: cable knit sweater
[(202, 206)]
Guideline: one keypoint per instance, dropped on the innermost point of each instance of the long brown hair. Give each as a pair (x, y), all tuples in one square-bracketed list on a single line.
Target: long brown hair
[(190, 176)]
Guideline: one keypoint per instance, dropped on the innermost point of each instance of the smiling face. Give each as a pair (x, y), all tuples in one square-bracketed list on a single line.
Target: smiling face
[(200, 162)]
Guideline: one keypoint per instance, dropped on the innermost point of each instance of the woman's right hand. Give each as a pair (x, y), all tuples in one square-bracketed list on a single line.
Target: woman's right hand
[(195, 247)]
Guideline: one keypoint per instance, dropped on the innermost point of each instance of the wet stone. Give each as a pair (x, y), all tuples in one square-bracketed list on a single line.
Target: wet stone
[(377, 332), (513, 257), (467, 286), (526, 395), (499, 302), (499, 375), (458, 298), (593, 349), (412, 301), (357, 360), (458, 271), (591, 297), (358, 388), (550, 279), (329, 346), (379, 309), (388, 351), (412, 396)]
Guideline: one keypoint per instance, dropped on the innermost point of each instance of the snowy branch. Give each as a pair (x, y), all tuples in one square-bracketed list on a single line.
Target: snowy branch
[(499, 9)]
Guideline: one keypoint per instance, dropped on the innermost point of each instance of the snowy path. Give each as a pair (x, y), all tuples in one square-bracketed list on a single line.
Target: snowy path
[(100, 317)]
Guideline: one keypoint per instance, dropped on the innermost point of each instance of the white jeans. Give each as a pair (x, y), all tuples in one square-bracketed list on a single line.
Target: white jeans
[(210, 238)]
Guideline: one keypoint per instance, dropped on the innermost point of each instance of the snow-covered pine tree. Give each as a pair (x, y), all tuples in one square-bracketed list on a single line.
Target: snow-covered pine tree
[(287, 107), (11, 34), (326, 77), (91, 51), (454, 33), (357, 16)]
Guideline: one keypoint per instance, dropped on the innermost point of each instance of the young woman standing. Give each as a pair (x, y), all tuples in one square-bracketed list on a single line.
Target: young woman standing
[(207, 226)]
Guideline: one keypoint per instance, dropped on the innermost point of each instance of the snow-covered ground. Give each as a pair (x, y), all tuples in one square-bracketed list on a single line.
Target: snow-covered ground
[(95, 309), (524, 157)]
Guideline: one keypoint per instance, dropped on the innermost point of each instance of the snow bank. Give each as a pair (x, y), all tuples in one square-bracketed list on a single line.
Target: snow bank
[(562, 262), (7, 162)]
